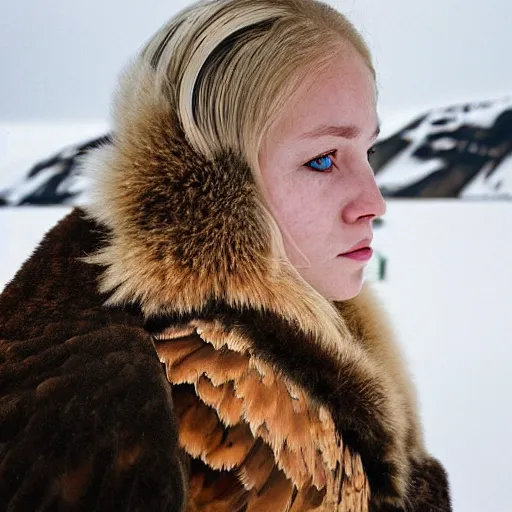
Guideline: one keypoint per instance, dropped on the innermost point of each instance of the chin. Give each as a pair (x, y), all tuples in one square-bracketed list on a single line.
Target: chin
[(343, 289), (334, 283)]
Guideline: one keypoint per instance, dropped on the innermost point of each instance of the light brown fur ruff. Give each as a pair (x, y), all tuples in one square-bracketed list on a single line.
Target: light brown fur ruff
[(186, 229)]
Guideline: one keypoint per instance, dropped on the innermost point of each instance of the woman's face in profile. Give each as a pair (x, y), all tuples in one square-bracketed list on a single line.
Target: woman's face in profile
[(315, 170)]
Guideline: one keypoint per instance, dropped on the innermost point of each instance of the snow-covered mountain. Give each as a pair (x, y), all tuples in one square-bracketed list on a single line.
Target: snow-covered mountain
[(54, 180), (461, 151)]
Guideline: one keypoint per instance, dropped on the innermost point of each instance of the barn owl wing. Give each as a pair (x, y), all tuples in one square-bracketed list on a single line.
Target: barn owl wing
[(263, 443)]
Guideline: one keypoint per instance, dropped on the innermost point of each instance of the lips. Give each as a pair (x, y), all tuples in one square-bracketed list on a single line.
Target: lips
[(364, 244), (360, 255), (360, 252)]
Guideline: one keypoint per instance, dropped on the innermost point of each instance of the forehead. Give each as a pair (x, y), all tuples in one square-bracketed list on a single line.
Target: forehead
[(343, 92)]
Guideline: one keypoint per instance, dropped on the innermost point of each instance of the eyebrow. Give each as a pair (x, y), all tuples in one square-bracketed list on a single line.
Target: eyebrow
[(346, 132)]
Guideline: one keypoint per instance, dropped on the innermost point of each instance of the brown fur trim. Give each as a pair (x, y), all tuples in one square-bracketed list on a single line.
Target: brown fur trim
[(428, 488), (372, 330)]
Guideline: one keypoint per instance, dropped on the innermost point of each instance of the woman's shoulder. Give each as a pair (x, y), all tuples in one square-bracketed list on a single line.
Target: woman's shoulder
[(54, 283), (84, 407)]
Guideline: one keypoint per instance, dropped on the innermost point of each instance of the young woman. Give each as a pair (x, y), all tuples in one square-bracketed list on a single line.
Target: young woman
[(200, 337)]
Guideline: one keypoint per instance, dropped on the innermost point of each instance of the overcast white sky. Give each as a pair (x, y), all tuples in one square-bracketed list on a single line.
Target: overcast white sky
[(59, 59)]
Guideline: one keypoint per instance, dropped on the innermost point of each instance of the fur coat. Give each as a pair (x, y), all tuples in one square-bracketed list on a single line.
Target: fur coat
[(155, 355)]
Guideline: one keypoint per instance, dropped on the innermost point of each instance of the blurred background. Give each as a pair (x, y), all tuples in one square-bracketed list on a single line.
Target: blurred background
[(443, 250)]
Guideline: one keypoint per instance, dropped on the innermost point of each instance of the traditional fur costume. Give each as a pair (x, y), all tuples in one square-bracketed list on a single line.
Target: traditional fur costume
[(156, 355)]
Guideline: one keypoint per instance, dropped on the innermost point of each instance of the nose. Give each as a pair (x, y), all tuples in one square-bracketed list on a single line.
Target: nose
[(366, 201)]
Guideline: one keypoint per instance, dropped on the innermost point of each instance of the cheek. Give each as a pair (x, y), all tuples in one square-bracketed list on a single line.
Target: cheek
[(303, 209)]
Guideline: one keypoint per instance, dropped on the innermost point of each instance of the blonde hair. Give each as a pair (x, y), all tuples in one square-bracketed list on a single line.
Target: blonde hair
[(229, 66)]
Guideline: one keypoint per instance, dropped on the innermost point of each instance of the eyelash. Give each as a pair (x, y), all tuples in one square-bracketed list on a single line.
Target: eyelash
[(369, 153)]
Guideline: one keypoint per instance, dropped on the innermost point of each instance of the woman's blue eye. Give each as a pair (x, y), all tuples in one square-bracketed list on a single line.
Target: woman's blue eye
[(322, 163)]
